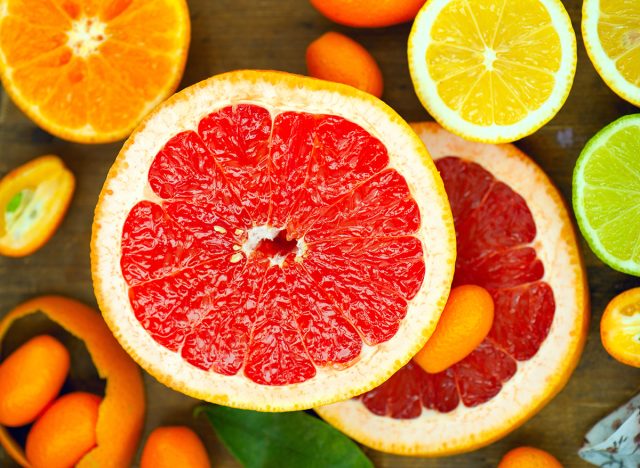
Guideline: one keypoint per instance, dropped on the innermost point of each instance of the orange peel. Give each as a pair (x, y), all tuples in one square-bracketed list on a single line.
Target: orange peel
[(121, 415)]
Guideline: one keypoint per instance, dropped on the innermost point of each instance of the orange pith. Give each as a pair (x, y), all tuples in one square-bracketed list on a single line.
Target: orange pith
[(172, 446), (121, 413), (368, 13), (529, 457), (30, 378), (620, 327), (336, 57), (65, 432), (536, 278), (258, 185), (33, 201), (89, 71), (464, 323)]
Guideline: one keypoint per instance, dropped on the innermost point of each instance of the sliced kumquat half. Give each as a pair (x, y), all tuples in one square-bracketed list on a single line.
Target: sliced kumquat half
[(33, 200), (620, 327)]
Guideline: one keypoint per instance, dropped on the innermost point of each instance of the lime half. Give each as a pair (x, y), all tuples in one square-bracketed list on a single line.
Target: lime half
[(606, 194)]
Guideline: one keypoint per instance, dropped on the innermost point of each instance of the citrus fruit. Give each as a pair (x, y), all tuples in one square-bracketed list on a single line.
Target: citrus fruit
[(33, 200), (89, 71), (171, 446), (620, 327), (611, 32), (335, 57), (65, 432), (515, 239), (606, 190), (464, 324), (121, 414), (270, 241), (529, 457), (492, 70), (30, 378), (368, 13)]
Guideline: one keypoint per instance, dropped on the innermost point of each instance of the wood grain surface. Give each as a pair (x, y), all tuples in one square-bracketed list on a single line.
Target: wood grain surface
[(273, 34)]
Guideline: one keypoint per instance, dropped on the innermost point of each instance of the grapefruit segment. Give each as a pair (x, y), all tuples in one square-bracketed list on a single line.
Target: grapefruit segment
[(392, 262), (381, 206), (330, 339), (220, 343), (515, 240), (238, 139), (275, 254)]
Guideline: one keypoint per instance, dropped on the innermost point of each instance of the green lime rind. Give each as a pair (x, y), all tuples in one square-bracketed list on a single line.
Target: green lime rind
[(606, 194)]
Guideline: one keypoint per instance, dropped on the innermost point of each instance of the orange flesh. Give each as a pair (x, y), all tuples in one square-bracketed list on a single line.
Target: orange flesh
[(65, 432), (33, 201), (464, 324), (30, 378), (75, 61)]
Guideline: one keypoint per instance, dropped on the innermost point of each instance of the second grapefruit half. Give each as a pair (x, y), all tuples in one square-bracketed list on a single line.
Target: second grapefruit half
[(272, 242), (515, 239)]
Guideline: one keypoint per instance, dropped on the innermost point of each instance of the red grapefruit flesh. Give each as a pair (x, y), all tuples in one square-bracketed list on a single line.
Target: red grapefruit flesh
[(495, 229), (514, 239), (273, 246), (356, 219)]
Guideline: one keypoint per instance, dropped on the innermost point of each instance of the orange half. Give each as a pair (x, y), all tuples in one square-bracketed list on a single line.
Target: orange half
[(89, 71)]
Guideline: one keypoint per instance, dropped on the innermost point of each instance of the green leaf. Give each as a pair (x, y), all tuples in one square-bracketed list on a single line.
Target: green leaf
[(15, 201), (281, 440)]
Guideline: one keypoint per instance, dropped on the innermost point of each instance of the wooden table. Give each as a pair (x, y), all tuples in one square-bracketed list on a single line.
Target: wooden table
[(273, 34)]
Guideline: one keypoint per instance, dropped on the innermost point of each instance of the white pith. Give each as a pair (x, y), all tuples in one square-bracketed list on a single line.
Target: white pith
[(427, 90), (257, 234), (86, 35), (277, 92), (605, 66), (537, 379)]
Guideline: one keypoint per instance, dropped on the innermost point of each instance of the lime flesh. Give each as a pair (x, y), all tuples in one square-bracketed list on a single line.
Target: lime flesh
[(606, 194)]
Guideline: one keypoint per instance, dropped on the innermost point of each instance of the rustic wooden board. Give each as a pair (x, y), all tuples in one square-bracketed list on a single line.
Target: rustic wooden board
[(273, 34)]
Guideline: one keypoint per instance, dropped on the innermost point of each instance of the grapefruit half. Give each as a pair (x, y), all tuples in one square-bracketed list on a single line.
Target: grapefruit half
[(272, 242), (516, 240)]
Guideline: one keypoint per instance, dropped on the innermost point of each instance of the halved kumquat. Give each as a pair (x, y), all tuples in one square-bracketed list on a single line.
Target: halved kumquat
[(33, 200), (620, 327)]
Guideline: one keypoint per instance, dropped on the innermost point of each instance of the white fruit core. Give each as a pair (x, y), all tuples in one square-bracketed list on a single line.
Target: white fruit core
[(264, 234), (86, 35), (489, 58)]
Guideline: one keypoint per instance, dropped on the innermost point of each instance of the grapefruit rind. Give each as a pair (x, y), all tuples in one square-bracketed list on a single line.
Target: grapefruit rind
[(603, 64), (600, 140), (121, 414), (277, 92), (87, 134), (536, 381), (450, 119)]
